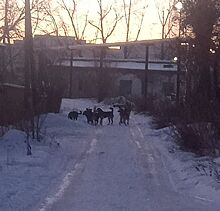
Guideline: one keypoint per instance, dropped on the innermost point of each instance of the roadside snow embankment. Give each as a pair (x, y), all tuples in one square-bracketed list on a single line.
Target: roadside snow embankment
[(189, 173), (27, 180)]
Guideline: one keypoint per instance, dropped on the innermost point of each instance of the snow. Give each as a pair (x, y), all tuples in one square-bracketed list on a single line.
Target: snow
[(184, 168), (83, 167)]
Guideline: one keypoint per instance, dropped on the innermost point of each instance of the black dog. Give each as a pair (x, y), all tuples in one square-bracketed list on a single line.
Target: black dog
[(88, 114), (92, 116), (105, 114), (124, 113), (73, 115)]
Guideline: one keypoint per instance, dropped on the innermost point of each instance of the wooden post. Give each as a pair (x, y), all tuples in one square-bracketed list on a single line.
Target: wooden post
[(29, 60), (100, 73), (71, 75), (146, 74), (178, 72), (178, 61), (2, 62), (29, 73)]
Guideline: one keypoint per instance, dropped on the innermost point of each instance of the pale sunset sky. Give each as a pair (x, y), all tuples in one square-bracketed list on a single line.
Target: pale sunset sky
[(151, 27)]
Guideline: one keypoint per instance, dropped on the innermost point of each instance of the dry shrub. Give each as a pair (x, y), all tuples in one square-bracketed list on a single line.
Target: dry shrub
[(164, 111), (201, 138)]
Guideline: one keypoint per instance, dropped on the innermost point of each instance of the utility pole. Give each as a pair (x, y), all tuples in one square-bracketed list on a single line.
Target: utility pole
[(163, 35), (178, 72), (146, 74), (2, 62), (100, 73), (179, 7), (28, 58), (5, 31), (2, 101), (71, 75), (29, 74)]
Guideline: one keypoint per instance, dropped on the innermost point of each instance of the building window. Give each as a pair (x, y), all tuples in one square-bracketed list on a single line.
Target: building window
[(168, 66), (125, 87)]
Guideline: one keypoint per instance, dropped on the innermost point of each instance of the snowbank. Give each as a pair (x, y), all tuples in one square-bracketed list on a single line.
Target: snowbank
[(189, 174), (26, 181)]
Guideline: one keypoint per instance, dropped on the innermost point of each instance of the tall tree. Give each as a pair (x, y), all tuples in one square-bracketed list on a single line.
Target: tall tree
[(201, 17)]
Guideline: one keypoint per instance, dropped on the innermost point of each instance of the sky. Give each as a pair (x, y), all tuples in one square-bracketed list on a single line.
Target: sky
[(151, 28)]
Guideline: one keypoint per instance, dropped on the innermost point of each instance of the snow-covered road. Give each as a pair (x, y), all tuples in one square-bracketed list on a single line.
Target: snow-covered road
[(81, 167), (121, 170)]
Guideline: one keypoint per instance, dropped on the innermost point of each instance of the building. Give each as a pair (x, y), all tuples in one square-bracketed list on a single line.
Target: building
[(78, 63), (118, 77)]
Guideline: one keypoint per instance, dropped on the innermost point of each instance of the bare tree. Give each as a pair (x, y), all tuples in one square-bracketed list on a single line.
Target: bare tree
[(132, 12), (42, 22), (13, 14), (73, 15), (127, 16), (165, 14), (103, 26), (168, 20)]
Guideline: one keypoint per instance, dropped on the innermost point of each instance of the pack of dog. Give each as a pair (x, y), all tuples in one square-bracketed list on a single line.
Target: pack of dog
[(96, 116)]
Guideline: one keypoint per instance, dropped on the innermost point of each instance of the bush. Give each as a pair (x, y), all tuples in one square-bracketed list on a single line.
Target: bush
[(164, 111), (201, 138)]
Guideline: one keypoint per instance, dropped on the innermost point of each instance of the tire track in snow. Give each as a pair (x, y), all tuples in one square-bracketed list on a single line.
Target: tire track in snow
[(139, 139), (162, 158), (79, 165)]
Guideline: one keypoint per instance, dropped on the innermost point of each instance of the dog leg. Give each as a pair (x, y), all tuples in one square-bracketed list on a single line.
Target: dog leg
[(120, 121)]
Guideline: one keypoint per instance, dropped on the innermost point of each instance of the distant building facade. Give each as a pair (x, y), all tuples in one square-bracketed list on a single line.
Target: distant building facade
[(119, 78), (123, 70)]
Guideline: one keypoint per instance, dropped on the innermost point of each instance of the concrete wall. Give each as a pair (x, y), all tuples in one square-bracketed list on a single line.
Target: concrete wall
[(11, 103)]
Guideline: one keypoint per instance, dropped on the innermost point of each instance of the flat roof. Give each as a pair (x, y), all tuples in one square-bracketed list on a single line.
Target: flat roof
[(115, 44)]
